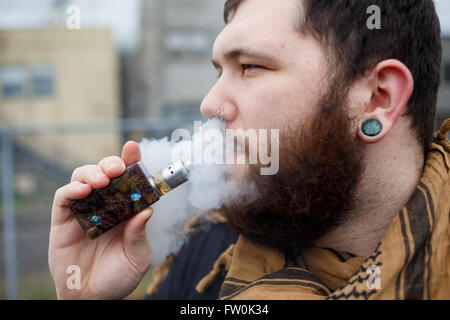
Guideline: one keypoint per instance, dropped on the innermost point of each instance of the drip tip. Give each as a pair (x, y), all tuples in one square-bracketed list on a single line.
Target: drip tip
[(172, 176)]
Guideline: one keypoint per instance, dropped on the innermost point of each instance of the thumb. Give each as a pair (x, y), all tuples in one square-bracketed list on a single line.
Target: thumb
[(135, 241), (131, 153)]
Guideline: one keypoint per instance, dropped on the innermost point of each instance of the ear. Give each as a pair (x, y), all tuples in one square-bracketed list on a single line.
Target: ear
[(393, 86)]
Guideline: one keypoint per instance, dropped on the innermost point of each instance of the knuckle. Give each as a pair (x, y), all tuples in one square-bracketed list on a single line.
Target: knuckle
[(59, 193), (80, 173), (62, 193), (75, 173), (104, 163)]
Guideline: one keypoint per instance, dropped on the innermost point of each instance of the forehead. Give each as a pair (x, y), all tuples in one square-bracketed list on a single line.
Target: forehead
[(261, 24)]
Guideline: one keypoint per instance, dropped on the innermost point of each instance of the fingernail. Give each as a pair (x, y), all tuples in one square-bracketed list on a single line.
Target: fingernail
[(147, 212)]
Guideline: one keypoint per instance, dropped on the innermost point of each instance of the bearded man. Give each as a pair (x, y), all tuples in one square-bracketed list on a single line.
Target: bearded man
[(360, 205)]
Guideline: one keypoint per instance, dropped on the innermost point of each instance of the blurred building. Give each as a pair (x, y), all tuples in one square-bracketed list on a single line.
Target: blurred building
[(444, 91), (172, 71), (59, 76)]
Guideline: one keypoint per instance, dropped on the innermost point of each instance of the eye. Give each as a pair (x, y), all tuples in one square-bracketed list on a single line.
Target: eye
[(249, 67)]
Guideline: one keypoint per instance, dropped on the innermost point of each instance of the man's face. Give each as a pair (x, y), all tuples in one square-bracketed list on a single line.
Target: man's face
[(272, 77), (269, 73)]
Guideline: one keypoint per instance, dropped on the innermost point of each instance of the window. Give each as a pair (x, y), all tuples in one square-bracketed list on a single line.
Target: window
[(13, 81), (187, 44), (187, 41), (42, 80), (27, 81)]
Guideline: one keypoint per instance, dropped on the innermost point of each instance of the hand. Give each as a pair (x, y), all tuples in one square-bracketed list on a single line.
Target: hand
[(111, 265)]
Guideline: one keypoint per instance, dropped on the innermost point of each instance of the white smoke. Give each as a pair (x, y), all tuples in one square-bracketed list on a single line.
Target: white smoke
[(208, 188)]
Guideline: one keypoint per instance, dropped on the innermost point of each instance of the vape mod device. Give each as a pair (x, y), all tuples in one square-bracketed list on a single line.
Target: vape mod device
[(125, 196)]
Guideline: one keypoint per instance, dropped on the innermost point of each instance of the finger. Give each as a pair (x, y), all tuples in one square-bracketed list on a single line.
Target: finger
[(92, 175), (131, 153), (112, 166), (66, 194), (136, 245), (135, 227), (72, 191)]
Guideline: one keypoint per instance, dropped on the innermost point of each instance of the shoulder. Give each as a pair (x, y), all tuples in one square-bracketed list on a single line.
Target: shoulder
[(194, 262)]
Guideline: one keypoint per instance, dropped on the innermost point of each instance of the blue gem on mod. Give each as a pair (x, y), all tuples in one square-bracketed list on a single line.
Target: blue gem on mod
[(136, 196), (96, 220)]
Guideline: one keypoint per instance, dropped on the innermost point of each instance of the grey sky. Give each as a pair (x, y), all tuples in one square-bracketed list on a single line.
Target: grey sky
[(443, 8), (121, 16)]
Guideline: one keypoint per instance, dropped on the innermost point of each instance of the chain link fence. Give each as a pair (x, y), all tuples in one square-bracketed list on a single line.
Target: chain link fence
[(29, 180)]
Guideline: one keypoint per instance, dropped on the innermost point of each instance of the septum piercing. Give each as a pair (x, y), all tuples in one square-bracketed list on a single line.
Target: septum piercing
[(220, 114)]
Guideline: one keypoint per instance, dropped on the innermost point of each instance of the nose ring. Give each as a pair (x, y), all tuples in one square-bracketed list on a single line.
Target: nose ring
[(220, 114)]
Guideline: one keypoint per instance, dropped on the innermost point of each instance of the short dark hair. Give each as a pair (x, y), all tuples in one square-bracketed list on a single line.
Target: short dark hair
[(410, 32)]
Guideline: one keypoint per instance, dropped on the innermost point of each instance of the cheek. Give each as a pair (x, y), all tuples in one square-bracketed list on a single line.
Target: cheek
[(280, 102), (264, 108)]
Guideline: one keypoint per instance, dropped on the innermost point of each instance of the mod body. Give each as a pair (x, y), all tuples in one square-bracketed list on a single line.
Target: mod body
[(125, 196)]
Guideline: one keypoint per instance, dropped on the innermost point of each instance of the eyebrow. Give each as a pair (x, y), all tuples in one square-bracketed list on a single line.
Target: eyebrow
[(237, 53)]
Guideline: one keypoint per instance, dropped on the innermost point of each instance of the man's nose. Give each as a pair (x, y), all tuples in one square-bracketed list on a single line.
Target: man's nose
[(218, 103)]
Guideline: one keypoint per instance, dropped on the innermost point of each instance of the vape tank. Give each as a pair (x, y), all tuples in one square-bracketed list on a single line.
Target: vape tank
[(125, 196)]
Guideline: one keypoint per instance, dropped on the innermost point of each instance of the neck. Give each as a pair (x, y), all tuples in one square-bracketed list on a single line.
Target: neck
[(393, 168)]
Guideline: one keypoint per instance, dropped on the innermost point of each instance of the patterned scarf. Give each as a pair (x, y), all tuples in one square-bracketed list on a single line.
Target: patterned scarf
[(412, 261)]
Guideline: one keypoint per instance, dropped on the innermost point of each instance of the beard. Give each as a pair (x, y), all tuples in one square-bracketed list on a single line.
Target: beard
[(320, 166)]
